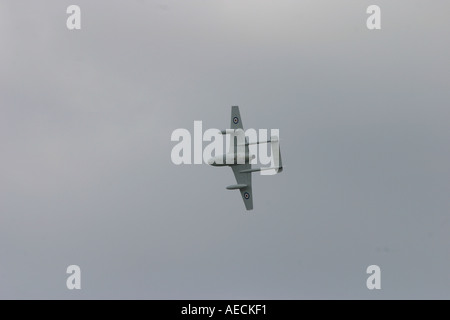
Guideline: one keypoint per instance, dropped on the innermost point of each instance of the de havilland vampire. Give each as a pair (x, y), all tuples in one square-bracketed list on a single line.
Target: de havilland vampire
[(239, 158)]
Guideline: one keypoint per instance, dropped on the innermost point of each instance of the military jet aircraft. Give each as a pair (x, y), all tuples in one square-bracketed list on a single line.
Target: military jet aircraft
[(238, 158)]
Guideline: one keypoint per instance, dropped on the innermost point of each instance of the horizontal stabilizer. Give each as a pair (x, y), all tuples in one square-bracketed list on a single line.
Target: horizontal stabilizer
[(237, 186), (277, 158), (279, 169)]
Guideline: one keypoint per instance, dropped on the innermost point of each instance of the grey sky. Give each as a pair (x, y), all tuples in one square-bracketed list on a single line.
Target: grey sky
[(86, 177)]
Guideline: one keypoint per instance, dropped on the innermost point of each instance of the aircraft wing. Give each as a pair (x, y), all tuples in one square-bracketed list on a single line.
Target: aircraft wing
[(244, 178), (236, 121)]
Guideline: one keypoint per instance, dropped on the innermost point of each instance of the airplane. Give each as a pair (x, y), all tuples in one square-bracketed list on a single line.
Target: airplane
[(240, 159)]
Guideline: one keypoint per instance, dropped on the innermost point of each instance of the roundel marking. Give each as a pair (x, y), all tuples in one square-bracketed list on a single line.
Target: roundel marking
[(246, 195), (235, 120)]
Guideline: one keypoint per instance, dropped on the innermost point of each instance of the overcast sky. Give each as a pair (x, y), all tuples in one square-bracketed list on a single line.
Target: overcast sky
[(86, 176)]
